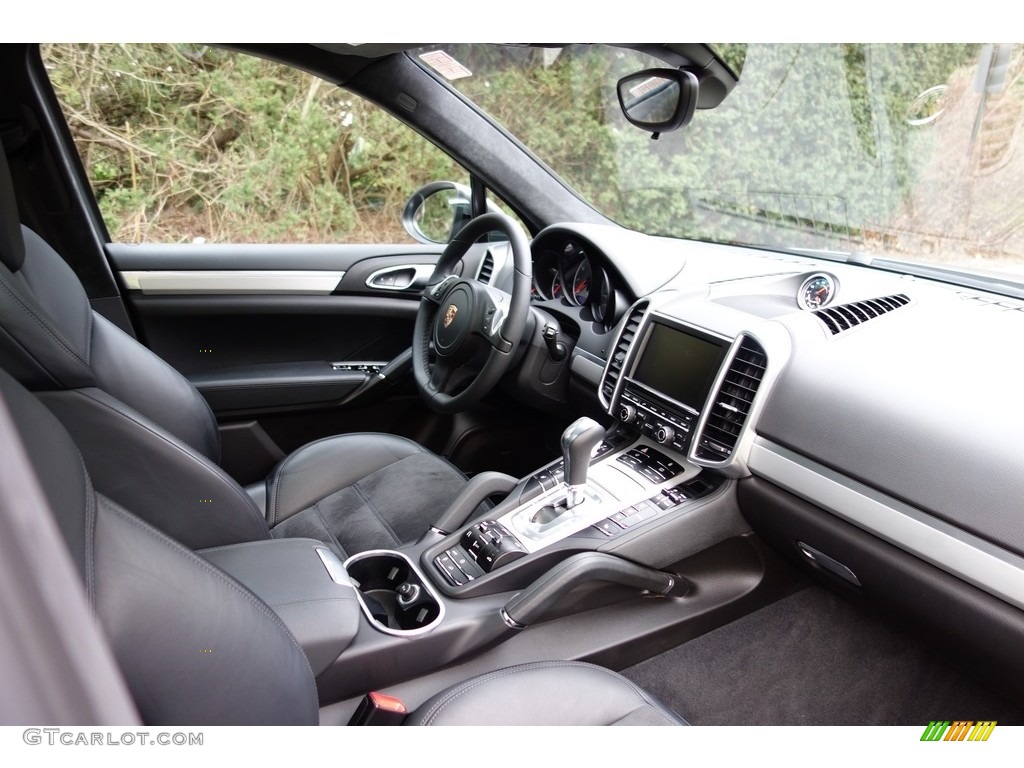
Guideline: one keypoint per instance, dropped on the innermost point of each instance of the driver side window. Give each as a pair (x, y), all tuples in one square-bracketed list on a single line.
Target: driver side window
[(187, 143)]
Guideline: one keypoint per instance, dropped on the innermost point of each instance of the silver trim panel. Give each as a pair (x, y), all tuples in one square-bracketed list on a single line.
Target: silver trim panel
[(611, 487), (334, 566), (241, 281), (951, 549)]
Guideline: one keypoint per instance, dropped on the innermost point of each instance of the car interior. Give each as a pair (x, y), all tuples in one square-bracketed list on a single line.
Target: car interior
[(547, 471)]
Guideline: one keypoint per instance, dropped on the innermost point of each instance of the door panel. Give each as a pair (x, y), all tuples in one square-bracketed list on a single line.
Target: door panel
[(211, 309), (208, 334), (286, 342)]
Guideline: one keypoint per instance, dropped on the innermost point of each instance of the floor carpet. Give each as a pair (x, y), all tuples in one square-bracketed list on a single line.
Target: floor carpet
[(815, 659)]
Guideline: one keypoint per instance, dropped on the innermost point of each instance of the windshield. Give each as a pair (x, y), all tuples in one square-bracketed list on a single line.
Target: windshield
[(907, 152)]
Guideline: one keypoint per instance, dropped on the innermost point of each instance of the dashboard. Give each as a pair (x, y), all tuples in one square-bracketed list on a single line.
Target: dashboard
[(884, 403)]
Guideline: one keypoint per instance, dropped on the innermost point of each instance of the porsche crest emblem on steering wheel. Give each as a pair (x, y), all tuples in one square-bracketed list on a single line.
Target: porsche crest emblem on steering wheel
[(449, 315)]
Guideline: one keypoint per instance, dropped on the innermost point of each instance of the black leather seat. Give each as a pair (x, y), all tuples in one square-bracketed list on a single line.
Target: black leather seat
[(125, 406), (159, 603), (545, 693)]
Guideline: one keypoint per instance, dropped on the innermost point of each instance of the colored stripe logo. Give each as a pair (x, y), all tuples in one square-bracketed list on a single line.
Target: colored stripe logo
[(958, 730)]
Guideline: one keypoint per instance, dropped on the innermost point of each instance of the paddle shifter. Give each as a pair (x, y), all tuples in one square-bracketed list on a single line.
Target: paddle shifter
[(578, 443)]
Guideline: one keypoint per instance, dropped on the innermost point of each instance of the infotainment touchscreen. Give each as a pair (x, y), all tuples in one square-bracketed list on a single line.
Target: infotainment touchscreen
[(680, 365)]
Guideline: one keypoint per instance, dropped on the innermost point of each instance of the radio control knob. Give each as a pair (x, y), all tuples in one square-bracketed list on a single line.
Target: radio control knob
[(664, 434), (627, 413)]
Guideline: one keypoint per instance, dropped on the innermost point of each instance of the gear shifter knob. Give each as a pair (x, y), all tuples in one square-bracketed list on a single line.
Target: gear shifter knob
[(578, 443)]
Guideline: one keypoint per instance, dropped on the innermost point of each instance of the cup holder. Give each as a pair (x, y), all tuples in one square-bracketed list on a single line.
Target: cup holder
[(394, 595)]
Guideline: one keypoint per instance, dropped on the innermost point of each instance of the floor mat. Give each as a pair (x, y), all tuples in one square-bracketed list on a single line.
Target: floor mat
[(814, 659)]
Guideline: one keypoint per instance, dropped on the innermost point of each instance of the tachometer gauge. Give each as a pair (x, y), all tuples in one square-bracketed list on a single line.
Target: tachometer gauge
[(579, 291), (817, 291)]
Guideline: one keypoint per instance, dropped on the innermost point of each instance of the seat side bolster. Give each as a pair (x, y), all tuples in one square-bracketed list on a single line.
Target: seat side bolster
[(170, 485)]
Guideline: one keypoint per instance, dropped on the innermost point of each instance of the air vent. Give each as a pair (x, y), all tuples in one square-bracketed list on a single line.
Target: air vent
[(618, 358), (486, 269), (847, 316), (731, 405)]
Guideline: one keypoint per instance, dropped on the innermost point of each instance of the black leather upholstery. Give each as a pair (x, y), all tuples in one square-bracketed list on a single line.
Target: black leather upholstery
[(193, 644), (143, 467), (545, 693), (289, 576), (151, 441), (50, 338)]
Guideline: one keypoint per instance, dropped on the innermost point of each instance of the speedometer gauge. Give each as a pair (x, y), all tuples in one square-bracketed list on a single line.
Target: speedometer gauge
[(816, 291), (580, 288)]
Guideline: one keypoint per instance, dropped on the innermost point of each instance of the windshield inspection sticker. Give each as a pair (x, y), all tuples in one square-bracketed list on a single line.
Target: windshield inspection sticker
[(444, 65)]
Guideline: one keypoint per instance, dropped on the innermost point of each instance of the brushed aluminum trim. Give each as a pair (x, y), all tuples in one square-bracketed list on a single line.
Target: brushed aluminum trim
[(951, 549), (242, 281)]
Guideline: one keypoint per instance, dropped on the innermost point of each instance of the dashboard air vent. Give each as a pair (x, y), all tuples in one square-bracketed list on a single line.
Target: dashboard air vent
[(618, 357), (486, 269), (847, 316), (731, 404)]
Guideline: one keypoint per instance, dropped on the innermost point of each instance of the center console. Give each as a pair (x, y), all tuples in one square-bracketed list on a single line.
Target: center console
[(616, 507), (639, 479), (627, 487), (669, 382)]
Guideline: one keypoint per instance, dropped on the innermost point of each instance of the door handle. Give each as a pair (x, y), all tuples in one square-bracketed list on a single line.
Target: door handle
[(409, 277)]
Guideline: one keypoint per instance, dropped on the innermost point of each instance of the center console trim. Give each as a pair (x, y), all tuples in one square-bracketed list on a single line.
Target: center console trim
[(603, 497)]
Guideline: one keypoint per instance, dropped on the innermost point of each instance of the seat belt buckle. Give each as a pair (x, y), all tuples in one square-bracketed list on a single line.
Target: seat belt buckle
[(379, 709)]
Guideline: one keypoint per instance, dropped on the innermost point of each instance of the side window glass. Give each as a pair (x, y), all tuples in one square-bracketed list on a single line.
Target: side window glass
[(186, 143)]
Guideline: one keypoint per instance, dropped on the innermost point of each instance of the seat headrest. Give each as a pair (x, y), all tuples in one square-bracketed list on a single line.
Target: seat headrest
[(12, 244)]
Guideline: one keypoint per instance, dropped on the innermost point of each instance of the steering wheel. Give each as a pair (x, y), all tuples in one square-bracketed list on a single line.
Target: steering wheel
[(467, 332)]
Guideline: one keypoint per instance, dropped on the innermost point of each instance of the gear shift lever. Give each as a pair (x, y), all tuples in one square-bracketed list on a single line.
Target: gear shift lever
[(578, 443)]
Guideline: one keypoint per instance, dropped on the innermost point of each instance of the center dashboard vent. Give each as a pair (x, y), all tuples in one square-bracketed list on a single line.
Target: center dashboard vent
[(618, 357), (486, 269), (731, 404), (847, 316)]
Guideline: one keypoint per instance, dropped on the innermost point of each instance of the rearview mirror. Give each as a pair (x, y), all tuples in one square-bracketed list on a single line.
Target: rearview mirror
[(658, 100)]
